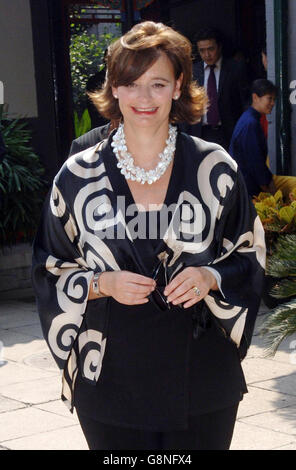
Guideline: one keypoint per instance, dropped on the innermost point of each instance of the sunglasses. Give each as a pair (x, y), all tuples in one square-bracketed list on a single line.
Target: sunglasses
[(160, 275)]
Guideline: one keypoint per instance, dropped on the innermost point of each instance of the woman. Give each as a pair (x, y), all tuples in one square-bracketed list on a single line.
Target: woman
[(148, 263)]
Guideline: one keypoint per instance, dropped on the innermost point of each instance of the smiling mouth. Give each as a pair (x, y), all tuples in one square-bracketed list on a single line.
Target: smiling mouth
[(144, 110)]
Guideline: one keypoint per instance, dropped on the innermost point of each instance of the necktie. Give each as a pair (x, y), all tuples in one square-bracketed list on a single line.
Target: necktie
[(213, 111)]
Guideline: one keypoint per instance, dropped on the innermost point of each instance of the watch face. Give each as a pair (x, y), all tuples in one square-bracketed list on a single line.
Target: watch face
[(96, 283)]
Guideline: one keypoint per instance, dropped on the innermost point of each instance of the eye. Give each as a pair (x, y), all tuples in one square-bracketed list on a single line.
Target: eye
[(158, 85)]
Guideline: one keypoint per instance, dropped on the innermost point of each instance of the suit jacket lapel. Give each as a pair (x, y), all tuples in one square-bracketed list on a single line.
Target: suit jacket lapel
[(223, 73), (199, 73)]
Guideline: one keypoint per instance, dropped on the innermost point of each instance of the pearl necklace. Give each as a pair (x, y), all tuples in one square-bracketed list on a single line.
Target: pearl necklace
[(126, 161)]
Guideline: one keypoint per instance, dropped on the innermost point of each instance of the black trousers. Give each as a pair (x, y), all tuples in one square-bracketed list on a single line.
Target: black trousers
[(211, 431)]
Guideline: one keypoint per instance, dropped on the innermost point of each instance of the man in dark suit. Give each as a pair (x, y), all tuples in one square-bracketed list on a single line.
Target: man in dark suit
[(227, 85)]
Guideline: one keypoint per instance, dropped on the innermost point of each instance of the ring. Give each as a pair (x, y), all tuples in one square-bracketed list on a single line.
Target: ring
[(196, 291)]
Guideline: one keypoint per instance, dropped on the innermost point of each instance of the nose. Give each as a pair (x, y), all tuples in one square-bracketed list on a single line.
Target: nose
[(144, 92)]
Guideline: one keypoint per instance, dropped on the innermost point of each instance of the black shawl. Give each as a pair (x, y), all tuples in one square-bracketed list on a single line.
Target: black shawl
[(84, 230)]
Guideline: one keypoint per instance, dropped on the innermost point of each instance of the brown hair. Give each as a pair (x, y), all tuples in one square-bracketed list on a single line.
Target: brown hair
[(134, 53)]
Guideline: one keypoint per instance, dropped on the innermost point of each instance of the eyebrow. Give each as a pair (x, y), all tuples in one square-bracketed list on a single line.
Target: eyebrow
[(205, 48), (161, 78)]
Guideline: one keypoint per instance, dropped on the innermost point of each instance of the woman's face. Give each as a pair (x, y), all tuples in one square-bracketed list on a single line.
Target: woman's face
[(148, 100)]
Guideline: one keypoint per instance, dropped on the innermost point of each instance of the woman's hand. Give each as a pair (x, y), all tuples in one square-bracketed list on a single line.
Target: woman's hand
[(126, 287), (181, 289)]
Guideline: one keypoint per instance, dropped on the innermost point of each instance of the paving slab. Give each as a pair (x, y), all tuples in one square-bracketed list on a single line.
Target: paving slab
[(31, 330), (28, 422), (15, 315), (58, 407), (34, 391), (285, 353), (285, 384), (258, 369), (42, 360), (282, 420), (259, 400), (291, 446), (249, 437), (69, 438), (6, 404), (17, 346), (12, 373)]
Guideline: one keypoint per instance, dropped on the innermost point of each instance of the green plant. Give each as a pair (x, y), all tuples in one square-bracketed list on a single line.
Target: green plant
[(281, 321), (86, 58), (83, 124), (21, 184), (276, 214)]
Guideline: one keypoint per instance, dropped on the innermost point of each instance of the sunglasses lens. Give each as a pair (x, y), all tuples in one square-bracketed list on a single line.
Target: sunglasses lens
[(159, 300), (157, 295)]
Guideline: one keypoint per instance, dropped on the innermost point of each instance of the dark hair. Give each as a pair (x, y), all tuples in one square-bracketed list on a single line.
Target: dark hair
[(134, 53), (208, 33), (263, 87)]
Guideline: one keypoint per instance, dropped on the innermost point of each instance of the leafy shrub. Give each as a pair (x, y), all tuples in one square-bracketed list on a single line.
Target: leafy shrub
[(278, 216), (22, 185), (281, 321), (279, 221), (86, 58)]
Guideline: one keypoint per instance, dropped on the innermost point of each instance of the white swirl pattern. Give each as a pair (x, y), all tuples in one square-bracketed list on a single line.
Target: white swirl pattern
[(93, 359), (62, 332)]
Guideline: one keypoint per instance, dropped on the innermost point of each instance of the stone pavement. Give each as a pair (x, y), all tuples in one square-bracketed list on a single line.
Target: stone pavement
[(32, 416)]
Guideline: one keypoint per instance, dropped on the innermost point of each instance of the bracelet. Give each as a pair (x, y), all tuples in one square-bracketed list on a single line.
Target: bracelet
[(95, 284)]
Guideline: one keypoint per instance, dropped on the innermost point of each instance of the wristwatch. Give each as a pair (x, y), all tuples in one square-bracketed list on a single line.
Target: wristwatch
[(95, 284)]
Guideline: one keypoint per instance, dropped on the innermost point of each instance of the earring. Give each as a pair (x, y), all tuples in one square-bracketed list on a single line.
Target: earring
[(115, 96), (176, 97)]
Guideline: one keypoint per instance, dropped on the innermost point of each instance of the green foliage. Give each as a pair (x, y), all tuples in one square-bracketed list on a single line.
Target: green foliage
[(280, 324), (82, 125), (87, 58), (281, 321), (282, 263), (276, 214), (21, 184)]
